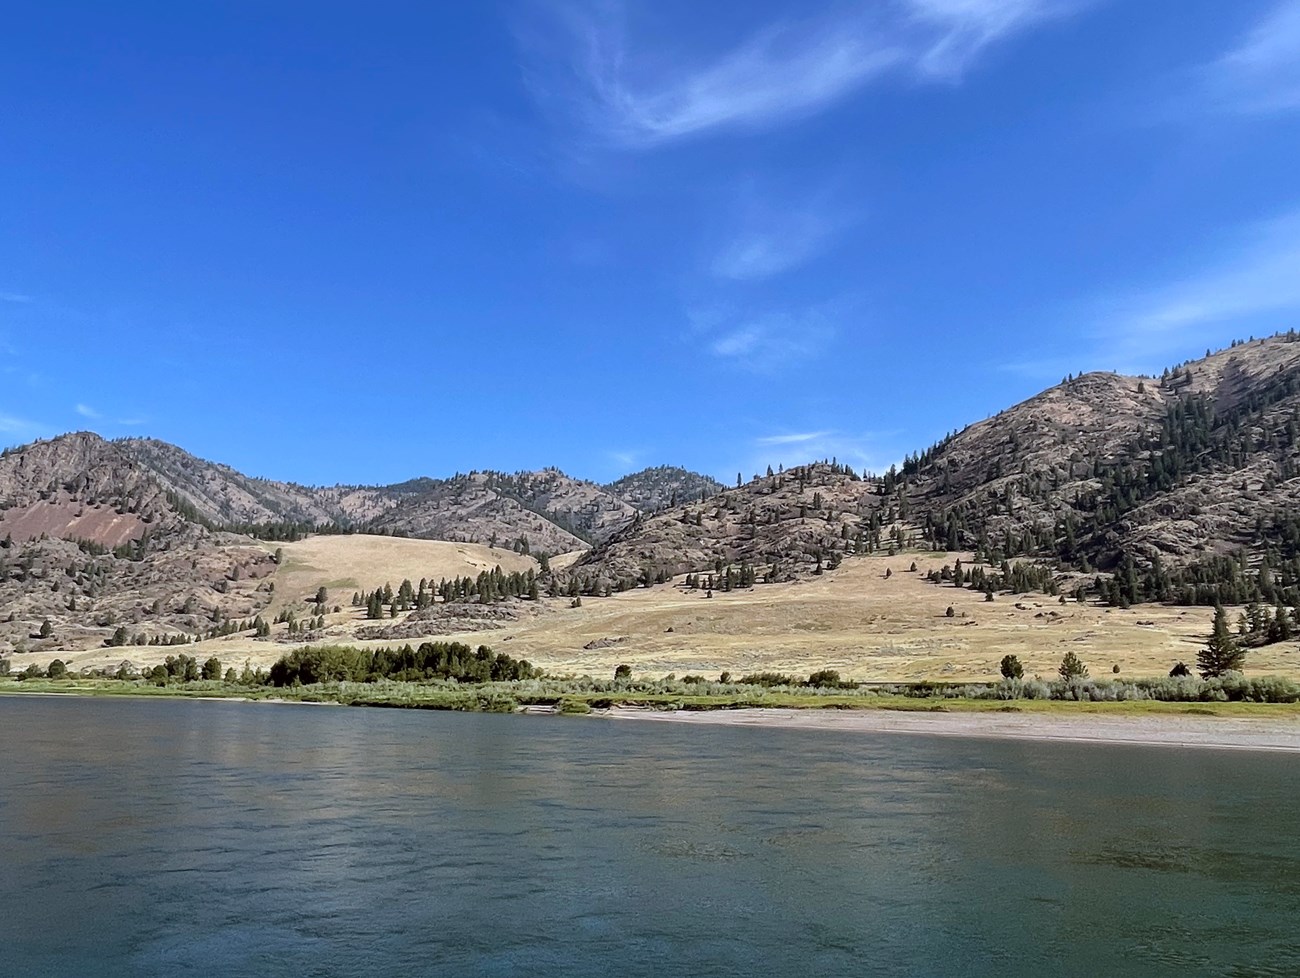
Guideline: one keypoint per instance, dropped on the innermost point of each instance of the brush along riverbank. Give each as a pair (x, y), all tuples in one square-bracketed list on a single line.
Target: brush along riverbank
[(1236, 724), (1226, 697)]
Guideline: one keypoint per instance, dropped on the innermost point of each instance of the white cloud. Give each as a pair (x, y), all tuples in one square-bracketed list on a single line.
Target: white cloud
[(963, 28), (1261, 74), (861, 450), (88, 412), (636, 98), (770, 341), (15, 297), (21, 427), (770, 234), (1251, 287), (792, 439)]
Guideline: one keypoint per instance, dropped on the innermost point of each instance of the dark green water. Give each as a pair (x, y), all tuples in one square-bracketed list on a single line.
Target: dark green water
[(175, 838)]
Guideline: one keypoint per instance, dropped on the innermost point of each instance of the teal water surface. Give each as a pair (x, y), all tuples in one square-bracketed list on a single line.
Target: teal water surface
[(161, 838)]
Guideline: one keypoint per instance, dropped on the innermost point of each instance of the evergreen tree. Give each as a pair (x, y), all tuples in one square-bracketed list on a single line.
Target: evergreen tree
[(1072, 668), (1222, 653)]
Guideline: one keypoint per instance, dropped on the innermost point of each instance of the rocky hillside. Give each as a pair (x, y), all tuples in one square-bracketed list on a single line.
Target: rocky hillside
[(1181, 485), (224, 496), (80, 487), (652, 490), (782, 525), (91, 542), (1186, 466), (544, 511)]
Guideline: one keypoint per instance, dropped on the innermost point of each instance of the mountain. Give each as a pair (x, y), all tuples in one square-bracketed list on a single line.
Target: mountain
[(91, 539), (1183, 487), (544, 511), (221, 495), (1100, 469), (1178, 487), (782, 524), (80, 486), (655, 489), (96, 536)]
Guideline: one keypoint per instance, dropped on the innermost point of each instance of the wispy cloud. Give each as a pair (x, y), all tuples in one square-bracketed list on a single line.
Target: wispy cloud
[(769, 233), (91, 414), (1261, 74), (768, 341), (15, 297), (962, 29), (1252, 286), (633, 97), (22, 428), (797, 438), (862, 450)]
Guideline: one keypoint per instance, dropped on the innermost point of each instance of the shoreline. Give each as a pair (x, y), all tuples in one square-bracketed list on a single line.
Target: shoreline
[(1257, 730), (1209, 733)]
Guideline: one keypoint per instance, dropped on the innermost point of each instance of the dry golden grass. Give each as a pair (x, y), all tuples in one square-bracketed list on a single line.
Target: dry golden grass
[(361, 563), (868, 627), (567, 560), (854, 620)]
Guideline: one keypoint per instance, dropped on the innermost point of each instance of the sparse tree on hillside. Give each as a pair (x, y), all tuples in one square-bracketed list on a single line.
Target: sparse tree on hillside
[(623, 673), (1011, 667)]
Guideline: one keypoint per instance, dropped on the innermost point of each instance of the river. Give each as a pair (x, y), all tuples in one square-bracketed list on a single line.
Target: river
[(175, 837)]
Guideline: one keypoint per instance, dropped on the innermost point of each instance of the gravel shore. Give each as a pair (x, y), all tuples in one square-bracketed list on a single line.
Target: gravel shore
[(1224, 733)]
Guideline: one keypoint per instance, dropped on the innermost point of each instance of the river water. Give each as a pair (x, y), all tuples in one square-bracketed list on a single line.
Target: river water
[(176, 837)]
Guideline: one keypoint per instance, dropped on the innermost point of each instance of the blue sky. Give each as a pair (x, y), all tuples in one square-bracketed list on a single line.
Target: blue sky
[(343, 242)]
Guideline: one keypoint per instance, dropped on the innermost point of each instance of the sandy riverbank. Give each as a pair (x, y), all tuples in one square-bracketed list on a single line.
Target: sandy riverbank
[(1231, 733)]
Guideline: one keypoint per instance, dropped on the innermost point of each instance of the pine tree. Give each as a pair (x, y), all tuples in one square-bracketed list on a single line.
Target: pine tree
[(1222, 653), (1072, 668)]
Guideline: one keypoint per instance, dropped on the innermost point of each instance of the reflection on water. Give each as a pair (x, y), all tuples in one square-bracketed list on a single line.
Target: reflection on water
[(174, 837)]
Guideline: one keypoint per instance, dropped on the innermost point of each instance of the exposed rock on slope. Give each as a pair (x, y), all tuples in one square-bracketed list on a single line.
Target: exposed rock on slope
[(1101, 468), (1184, 466), (90, 541), (783, 524), (548, 510), (80, 486), (224, 496)]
